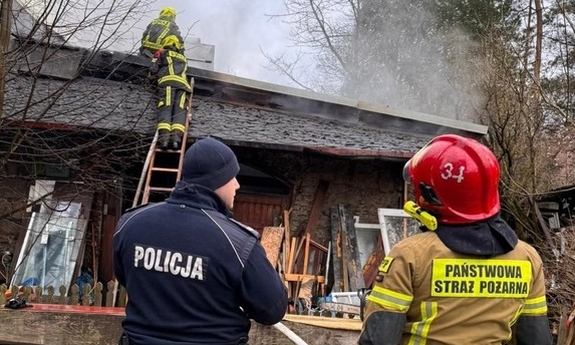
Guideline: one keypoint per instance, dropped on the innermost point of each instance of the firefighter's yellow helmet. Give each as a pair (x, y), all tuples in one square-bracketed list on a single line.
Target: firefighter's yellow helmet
[(168, 12), (172, 40)]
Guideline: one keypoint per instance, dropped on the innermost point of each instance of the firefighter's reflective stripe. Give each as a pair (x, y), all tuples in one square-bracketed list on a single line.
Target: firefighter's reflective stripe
[(390, 299), (174, 78), (172, 58), (420, 329), (182, 101), (157, 43), (481, 278), (164, 125), (535, 306), (178, 127), (167, 101)]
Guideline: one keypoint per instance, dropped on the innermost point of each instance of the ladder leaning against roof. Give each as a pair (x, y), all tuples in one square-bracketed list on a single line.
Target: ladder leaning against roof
[(160, 164), (153, 167)]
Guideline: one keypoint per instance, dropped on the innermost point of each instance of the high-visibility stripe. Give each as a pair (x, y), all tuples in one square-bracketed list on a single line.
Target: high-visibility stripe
[(168, 98), (164, 125), (178, 127), (390, 299), (420, 329), (176, 78), (158, 43), (163, 35), (535, 306), (182, 101), (170, 65), (152, 45)]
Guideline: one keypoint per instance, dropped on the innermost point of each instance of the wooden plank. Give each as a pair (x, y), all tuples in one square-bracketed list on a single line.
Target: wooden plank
[(326, 322), (351, 261), (317, 205), (297, 261), (343, 248), (318, 246), (291, 256), (294, 277), (271, 240), (371, 266), (287, 234), (72, 325), (306, 253), (336, 250)]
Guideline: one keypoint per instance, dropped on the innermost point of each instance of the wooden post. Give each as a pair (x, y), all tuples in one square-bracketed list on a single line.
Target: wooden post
[(336, 250)]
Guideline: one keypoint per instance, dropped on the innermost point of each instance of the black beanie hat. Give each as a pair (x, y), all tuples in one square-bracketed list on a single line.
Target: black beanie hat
[(210, 163)]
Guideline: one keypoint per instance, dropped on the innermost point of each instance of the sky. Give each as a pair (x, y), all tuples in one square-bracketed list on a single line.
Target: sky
[(239, 29)]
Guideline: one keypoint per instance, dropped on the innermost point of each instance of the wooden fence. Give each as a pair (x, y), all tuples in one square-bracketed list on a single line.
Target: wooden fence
[(89, 296)]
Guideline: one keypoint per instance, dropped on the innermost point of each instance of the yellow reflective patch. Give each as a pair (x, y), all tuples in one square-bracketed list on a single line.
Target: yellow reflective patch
[(385, 264), (480, 278)]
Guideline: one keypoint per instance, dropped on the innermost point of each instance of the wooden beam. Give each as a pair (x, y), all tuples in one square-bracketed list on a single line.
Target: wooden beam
[(291, 256), (306, 253), (299, 277), (351, 263), (316, 207), (287, 234), (336, 254)]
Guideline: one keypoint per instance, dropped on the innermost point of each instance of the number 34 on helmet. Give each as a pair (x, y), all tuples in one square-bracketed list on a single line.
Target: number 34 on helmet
[(456, 179)]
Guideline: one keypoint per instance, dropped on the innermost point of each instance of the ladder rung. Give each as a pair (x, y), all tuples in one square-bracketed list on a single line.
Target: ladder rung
[(165, 169), (168, 150), (160, 189)]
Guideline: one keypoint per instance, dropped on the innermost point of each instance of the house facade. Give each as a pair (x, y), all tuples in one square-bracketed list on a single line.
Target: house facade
[(77, 126)]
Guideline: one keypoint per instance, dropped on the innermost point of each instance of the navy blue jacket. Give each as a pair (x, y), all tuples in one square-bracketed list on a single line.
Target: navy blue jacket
[(193, 275)]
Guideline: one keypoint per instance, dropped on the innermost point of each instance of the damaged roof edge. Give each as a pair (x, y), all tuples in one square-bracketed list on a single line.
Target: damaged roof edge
[(436, 120), (331, 151)]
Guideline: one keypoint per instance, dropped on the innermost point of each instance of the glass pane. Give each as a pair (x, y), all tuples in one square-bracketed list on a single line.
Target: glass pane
[(51, 246), (396, 225)]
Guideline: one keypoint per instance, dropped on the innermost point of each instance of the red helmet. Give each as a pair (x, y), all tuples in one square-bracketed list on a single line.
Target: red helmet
[(456, 179)]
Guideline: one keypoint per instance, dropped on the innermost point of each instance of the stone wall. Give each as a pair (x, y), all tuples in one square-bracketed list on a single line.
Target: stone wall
[(363, 185)]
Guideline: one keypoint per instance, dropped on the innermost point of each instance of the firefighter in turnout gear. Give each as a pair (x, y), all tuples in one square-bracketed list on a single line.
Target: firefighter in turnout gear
[(193, 274), (170, 67), (157, 31), (470, 280)]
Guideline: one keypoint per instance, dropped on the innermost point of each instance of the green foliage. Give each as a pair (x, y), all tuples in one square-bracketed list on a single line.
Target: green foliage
[(476, 17)]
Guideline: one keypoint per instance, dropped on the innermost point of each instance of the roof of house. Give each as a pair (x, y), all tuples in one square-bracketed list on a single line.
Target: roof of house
[(243, 112)]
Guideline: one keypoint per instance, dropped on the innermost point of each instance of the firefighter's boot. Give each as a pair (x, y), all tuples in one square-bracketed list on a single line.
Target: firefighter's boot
[(176, 139), (163, 138)]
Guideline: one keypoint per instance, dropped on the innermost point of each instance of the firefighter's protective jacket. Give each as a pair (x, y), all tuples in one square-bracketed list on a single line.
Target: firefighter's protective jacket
[(156, 31), (452, 298), (170, 67), (193, 275)]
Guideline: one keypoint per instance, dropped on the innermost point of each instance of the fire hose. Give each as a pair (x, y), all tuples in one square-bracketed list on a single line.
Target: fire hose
[(290, 334)]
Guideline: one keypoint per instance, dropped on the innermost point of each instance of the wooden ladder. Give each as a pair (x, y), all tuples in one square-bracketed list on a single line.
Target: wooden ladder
[(150, 168), (162, 163)]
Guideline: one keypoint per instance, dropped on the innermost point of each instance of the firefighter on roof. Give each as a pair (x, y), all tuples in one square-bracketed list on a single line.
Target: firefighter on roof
[(170, 66), (470, 280), (160, 28)]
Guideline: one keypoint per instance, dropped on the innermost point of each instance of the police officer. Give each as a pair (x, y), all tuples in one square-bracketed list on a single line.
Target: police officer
[(170, 66), (158, 30), (470, 280), (194, 275)]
